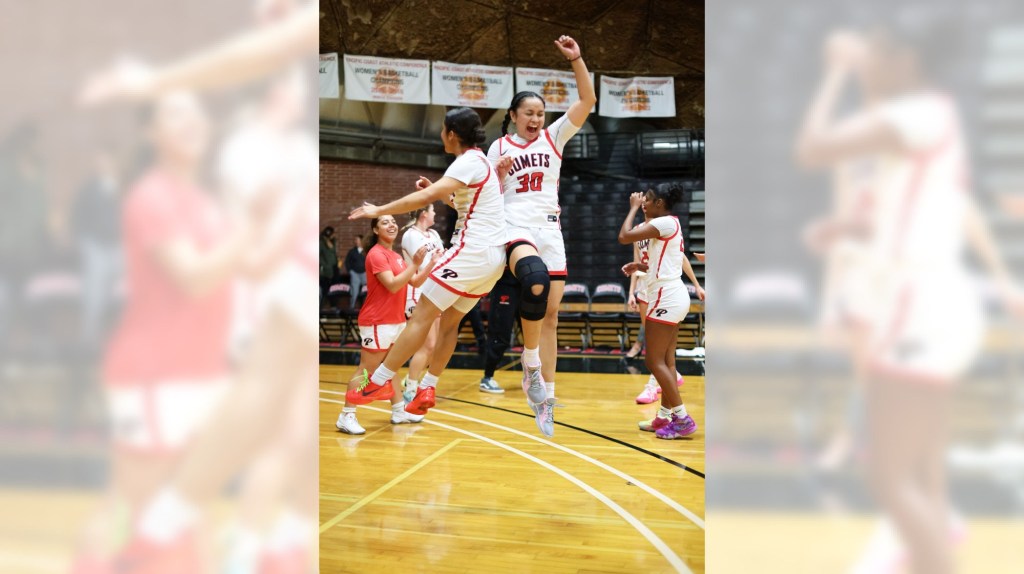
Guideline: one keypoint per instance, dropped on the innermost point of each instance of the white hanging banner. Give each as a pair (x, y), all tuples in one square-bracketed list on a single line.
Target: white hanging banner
[(329, 75), (471, 85), (387, 80), (558, 88), (639, 97)]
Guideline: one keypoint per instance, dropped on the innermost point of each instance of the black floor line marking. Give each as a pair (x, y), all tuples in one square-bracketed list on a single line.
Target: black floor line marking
[(590, 432), (574, 427)]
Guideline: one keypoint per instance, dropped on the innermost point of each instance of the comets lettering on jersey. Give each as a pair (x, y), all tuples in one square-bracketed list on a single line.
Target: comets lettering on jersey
[(530, 160)]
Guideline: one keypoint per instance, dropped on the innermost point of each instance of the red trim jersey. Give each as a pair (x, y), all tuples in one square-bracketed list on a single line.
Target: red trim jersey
[(412, 241), (666, 252), (382, 307), (531, 186), (481, 211)]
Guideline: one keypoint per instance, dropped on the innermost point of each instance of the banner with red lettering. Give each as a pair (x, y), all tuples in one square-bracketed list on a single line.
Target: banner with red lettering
[(639, 97), (387, 80), (471, 85), (557, 87)]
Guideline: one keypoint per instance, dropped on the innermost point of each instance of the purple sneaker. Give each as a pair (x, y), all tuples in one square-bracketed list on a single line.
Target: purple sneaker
[(678, 428)]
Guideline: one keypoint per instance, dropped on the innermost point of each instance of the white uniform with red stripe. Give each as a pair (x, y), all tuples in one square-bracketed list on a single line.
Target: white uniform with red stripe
[(413, 239), (476, 259), (668, 299), (531, 190), (917, 249)]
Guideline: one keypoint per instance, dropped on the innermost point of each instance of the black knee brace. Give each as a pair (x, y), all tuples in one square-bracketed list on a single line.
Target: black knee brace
[(530, 271)]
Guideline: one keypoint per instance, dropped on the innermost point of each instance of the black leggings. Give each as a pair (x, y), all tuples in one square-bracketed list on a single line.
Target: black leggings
[(501, 320)]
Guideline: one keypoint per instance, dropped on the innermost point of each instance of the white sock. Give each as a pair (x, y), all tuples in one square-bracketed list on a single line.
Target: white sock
[(664, 412), (679, 411), (348, 410), (382, 375), (652, 382), (428, 380), (531, 357), (397, 407), (551, 389), (167, 517), (412, 384)]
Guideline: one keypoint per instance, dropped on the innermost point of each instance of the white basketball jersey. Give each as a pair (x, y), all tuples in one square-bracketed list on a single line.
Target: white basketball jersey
[(666, 251), (481, 209), (531, 186), (414, 239), (921, 194)]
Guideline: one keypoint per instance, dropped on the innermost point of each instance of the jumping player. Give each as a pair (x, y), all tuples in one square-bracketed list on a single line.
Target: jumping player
[(466, 272), (382, 316), (670, 300), (536, 250)]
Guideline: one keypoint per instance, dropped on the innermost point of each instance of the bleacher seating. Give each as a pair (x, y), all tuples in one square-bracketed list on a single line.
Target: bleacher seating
[(607, 317), (572, 317)]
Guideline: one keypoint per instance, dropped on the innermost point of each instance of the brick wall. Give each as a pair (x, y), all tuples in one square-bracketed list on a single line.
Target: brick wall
[(346, 184)]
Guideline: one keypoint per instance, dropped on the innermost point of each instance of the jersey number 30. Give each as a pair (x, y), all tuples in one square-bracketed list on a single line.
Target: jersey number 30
[(530, 182)]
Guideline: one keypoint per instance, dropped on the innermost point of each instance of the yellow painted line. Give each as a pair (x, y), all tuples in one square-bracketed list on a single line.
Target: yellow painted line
[(373, 495), (523, 541), (460, 508)]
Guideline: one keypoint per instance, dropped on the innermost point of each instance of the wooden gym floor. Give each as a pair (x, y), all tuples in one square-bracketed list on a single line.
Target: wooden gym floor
[(476, 487)]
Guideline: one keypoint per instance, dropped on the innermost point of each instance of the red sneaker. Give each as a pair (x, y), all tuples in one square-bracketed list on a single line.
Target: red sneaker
[(368, 391), (423, 400), (143, 556), (90, 564)]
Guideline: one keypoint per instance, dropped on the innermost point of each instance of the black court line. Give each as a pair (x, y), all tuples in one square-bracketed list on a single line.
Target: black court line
[(590, 432)]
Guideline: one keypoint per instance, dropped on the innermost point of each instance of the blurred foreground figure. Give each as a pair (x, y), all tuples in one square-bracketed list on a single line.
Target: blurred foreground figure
[(266, 422), (897, 271)]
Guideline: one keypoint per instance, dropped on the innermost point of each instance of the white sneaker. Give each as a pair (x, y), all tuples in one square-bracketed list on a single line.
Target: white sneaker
[(533, 385), (489, 385), (347, 423), (402, 417), (544, 415)]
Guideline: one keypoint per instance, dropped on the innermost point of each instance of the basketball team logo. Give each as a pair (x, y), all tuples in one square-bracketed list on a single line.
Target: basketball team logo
[(636, 100), (472, 88), (386, 82), (555, 91), (660, 312)]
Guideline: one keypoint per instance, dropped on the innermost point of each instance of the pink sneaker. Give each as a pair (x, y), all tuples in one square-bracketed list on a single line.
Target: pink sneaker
[(648, 395), (679, 381), (679, 428)]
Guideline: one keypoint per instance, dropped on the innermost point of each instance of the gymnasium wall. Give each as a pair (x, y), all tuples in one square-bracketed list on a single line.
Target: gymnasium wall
[(346, 184)]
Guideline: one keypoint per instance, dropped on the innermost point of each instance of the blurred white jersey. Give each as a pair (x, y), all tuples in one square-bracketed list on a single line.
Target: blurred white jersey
[(920, 279), (531, 186), (920, 196), (666, 252)]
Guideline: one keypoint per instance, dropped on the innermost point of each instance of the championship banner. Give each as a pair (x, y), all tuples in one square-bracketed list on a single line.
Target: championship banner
[(329, 75), (557, 87), (471, 85), (640, 97), (387, 80)]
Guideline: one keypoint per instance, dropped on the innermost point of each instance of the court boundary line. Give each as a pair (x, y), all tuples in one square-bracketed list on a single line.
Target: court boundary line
[(686, 512), (387, 486), (689, 515), (641, 449), (674, 559)]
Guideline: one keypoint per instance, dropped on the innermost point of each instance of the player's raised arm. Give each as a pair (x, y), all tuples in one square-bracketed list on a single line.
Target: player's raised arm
[(580, 109)]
